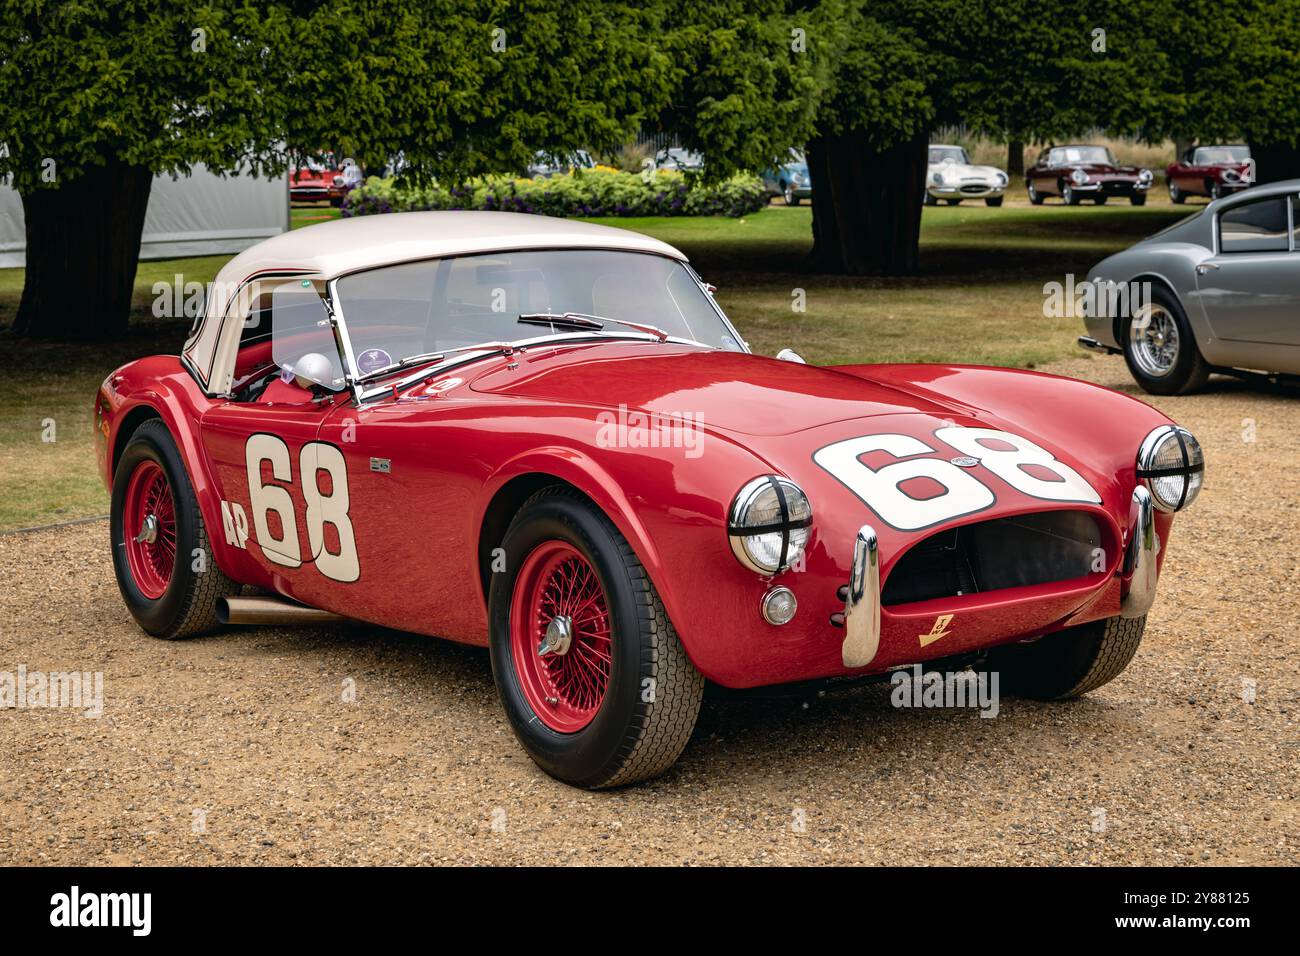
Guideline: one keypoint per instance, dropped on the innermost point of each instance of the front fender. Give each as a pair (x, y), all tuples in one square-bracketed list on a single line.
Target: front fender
[(672, 510)]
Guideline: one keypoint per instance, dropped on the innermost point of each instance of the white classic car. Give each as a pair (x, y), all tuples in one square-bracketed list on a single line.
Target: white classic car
[(952, 177)]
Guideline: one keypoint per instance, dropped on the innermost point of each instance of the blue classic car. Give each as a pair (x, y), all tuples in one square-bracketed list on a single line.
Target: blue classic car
[(790, 181)]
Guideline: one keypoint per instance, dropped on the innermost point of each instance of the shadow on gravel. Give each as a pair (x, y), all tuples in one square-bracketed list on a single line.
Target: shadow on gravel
[(740, 735)]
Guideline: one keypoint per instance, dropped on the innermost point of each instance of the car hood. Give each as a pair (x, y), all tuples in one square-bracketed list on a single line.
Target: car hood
[(731, 391), (963, 169), (1104, 169)]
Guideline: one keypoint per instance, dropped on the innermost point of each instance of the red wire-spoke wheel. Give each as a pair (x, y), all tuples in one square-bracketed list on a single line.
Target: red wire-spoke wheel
[(149, 529), (560, 636), (591, 675)]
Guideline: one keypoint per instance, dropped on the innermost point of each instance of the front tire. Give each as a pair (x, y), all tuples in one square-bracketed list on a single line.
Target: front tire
[(1176, 195), (1068, 195), (1160, 349), (1069, 663), (993, 201), (619, 702), (161, 554), (1035, 196), (929, 200), (790, 198), (1138, 199)]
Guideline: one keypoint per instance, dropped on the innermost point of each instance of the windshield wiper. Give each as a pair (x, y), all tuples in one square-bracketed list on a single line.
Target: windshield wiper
[(423, 359), (581, 320)]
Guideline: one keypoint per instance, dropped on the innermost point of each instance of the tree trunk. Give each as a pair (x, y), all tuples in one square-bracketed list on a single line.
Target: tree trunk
[(1016, 158), (83, 242), (1275, 161), (866, 204), (1181, 145)]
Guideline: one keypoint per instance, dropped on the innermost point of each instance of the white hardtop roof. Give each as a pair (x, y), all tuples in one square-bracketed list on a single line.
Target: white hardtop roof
[(332, 249)]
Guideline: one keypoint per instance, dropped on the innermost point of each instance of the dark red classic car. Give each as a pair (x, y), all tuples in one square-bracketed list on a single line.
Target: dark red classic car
[(1212, 171), (1076, 173)]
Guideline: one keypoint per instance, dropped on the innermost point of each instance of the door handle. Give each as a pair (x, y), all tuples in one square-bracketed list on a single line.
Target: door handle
[(1205, 267)]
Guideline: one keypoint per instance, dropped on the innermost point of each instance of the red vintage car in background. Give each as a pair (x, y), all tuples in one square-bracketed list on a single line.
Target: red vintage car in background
[(1211, 171), (545, 437), (317, 182), (1083, 172)]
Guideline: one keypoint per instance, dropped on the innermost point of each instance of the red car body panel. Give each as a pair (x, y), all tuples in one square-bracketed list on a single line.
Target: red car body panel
[(469, 444)]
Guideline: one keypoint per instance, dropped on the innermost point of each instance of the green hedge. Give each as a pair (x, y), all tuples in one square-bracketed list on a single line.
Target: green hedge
[(592, 192)]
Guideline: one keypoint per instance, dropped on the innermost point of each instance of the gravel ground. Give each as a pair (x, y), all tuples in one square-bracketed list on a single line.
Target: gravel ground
[(245, 736)]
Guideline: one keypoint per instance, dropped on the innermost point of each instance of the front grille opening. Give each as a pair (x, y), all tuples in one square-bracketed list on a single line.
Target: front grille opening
[(997, 554)]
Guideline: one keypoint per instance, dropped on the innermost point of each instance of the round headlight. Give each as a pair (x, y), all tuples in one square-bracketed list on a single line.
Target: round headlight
[(1079, 176), (1171, 466), (1002, 179), (937, 178), (769, 524), (1145, 175), (1230, 176)]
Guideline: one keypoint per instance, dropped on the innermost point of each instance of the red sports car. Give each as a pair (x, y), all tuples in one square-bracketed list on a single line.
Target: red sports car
[(1211, 171), (545, 437), (314, 182)]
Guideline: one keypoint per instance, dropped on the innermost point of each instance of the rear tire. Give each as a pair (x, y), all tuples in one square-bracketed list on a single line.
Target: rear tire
[(929, 200), (157, 578), (649, 692), (1069, 663)]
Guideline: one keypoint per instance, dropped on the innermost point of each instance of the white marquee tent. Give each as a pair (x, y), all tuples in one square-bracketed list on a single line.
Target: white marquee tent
[(197, 215)]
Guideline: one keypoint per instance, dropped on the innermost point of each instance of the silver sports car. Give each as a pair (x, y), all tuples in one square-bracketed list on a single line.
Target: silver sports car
[(1218, 291)]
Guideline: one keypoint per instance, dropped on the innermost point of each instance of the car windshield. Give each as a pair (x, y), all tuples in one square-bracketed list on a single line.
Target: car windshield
[(948, 154), (1082, 154), (420, 308), (1208, 155)]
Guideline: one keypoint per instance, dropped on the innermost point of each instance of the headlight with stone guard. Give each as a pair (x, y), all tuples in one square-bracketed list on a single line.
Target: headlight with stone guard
[(1171, 466)]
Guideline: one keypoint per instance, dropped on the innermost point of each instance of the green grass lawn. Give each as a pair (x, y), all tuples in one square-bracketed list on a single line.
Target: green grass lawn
[(979, 298)]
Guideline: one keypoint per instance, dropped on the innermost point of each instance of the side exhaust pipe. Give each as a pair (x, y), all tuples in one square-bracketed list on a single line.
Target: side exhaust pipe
[(270, 610)]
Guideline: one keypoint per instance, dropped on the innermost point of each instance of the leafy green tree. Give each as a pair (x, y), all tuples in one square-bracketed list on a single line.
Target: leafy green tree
[(100, 97), (1226, 71)]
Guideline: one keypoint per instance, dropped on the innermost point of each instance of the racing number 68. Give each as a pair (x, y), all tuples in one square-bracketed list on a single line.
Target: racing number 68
[(963, 493), (331, 509)]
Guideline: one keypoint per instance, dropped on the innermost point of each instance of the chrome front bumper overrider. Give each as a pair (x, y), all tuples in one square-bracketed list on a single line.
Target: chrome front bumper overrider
[(862, 602), (1140, 559)]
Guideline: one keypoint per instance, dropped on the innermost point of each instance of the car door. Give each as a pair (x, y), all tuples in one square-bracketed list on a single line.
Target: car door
[(264, 455), (1250, 288)]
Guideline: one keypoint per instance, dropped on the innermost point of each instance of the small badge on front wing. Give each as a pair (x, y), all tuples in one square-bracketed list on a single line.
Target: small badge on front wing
[(965, 461), (939, 630)]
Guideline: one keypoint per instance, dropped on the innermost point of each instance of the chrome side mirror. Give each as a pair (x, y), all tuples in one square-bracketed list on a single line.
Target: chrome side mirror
[(790, 355)]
